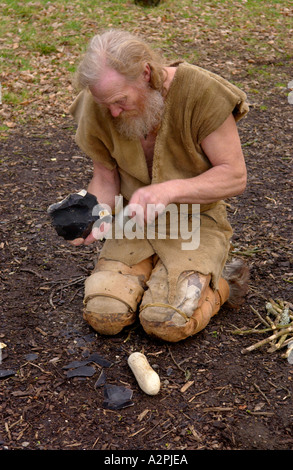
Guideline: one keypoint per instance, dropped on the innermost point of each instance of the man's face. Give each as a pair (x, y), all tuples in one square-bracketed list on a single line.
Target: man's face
[(135, 108)]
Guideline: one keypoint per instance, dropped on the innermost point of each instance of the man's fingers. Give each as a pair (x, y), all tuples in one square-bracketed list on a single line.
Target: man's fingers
[(98, 232), (77, 241), (91, 238)]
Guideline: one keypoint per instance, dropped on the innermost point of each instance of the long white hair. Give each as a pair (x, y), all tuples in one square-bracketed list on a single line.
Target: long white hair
[(123, 52)]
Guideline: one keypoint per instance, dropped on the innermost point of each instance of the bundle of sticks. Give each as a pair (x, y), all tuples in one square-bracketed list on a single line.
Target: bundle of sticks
[(278, 321)]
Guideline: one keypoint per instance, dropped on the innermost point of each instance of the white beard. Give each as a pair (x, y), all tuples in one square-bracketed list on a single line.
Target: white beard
[(138, 125)]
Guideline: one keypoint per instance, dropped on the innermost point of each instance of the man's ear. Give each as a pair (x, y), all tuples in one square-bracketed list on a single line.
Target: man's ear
[(147, 73)]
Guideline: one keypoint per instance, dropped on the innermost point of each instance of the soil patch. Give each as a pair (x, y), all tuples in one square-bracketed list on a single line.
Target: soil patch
[(234, 401)]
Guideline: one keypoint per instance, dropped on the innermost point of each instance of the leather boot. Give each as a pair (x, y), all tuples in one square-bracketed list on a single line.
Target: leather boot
[(176, 322), (112, 294)]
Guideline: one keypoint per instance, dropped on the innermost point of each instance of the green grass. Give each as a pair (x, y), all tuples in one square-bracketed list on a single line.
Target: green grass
[(47, 38)]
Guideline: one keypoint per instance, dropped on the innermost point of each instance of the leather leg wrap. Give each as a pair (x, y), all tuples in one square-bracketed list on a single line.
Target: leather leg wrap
[(112, 294), (208, 306)]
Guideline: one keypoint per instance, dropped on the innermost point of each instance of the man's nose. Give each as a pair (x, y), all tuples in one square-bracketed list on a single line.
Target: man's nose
[(115, 110)]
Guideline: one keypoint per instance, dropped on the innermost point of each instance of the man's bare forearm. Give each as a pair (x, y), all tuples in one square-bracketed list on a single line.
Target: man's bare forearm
[(211, 186), (105, 185)]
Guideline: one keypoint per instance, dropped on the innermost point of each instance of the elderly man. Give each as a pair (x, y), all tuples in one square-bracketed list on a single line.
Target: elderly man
[(159, 134)]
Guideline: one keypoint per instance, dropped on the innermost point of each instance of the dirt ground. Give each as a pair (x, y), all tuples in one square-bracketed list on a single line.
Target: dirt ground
[(231, 400)]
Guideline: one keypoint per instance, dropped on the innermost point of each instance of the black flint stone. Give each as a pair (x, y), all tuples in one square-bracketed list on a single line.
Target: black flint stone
[(6, 373), (72, 218), (83, 371), (101, 380), (94, 357), (116, 397), (75, 364)]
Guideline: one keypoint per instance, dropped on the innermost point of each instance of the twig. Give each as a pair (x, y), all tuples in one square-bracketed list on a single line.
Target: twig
[(289, 350), (176, 364), (75, 294), (76, 280), (151, 430), (35, 365), (197, 394), (252, 330), (281, 341), (259, 316), (27, 270), (217, 408), (260, 413), (261, 392), (267, 340), (51, 299), (275, 347), (62, 286)]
